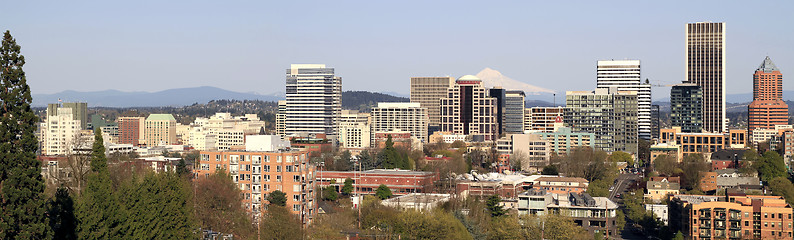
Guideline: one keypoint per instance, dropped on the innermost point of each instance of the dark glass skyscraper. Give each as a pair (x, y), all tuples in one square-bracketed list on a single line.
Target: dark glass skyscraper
[(686, 107)]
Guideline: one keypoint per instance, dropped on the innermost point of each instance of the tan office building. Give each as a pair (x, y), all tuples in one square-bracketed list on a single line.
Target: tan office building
[(428, 92)]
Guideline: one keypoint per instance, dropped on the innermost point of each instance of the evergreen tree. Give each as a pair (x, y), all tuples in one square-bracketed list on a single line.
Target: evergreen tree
[(97, 207), (22, 202), (348, 187), (181, 168), (277, 198), (279, 223), (61, 213), (383, 192), (159, 207), (493, 206)]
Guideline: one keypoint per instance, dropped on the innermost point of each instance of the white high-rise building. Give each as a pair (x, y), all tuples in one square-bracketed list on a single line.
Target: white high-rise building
[(58, 131), (314, 100), (625, 75), (705, 66), (406, 117), (354, 130)]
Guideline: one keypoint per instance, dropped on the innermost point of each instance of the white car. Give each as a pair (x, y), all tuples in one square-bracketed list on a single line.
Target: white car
[(612, 188)]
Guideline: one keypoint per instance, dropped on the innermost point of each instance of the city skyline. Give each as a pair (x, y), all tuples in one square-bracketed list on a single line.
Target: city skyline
[(153, 47)]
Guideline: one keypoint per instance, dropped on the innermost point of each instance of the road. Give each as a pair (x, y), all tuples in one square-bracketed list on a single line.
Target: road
[(623, 182)]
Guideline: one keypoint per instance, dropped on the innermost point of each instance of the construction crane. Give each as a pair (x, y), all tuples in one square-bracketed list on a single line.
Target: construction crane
[(659, 85)]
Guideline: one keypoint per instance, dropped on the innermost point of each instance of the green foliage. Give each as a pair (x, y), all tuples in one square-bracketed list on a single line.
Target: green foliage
[(634, 206), (392, 158), (666, 165), (622, 157), (277, 198), (620, 220), (329, 194), (280, 223), (98, 210), (586, 163), (157, 207), (22, 199), (693, 166), (781, 186), (678, 236), (493, 206), (550, 170), (383, 192), (61, 213), (599, 188), (218, 206), (770, 166), (553, 226), (348, 187), (181, 168), (506, 227)]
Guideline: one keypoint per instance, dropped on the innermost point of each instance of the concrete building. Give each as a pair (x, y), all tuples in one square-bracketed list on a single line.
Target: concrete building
[(545, 119), (401, 182), (625, 75), (686, 107), (660, 211), (427, 91), (408, 117), (355, 131), (417, 201), (514, 112), (655, 122), (563, 140), (595, 214), (281, 118), (268, 167), (531, 150), (768, 108), (223, 131), (669, 149), (706, 66), (446, 137), (608, 113), (561, 185), (314, 100), (60, 131), (160, 129), (704, 142), (79, 112), (466, 110), (731, 217)]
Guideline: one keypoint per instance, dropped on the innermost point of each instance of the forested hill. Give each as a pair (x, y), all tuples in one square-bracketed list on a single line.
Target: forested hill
[(363, 100)]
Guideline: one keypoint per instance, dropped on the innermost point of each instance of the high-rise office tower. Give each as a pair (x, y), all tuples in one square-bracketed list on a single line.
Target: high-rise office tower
[(655, 121), (79, 112), (131, 130), (768, 108), (467, 110), (543, 119), (625, 75), (705, 66), (608, 113), (686, 107), (499, 94), (514, 112), (60, 131), (428, 91), (160, 129), (406, 117), (314, 100)]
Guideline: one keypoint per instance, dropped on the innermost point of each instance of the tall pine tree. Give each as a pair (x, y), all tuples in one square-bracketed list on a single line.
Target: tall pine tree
[(22, 197), (97, 208)]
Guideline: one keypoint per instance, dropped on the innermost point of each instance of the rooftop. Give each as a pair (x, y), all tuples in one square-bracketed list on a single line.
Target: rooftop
[(767, 66), (160, 117)]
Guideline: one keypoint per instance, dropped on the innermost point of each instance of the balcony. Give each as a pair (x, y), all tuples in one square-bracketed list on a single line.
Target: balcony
[(705, 226), (705, 235)]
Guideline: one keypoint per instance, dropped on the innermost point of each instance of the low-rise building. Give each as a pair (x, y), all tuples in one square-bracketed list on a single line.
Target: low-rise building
[(563, 140), (669, 149), (561, 185), (731, 217), (731, 178), (659, 211), (417, 201), (658, 190), (708, 181), (400, 182), (595, 214), (704, 142)]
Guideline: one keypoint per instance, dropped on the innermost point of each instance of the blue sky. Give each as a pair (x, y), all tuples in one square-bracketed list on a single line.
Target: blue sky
[(378, 45)]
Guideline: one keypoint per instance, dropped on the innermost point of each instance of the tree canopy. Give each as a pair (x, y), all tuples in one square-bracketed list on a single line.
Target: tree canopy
[(278, 198), (383, 192)]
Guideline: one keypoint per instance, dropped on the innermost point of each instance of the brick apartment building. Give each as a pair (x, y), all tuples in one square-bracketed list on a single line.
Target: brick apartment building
[(259, 171), (731, 217)]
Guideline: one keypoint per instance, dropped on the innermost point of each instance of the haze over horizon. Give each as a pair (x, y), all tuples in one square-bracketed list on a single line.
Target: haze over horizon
[(153, 46)]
